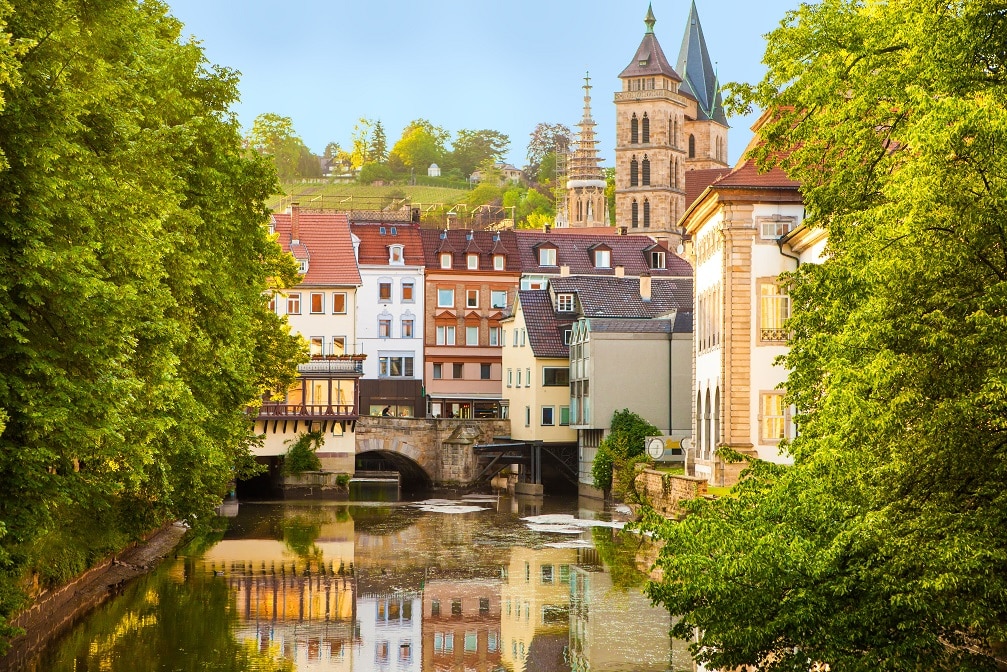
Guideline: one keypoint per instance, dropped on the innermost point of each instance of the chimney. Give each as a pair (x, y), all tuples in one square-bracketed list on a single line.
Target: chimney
[(564, 271), (548, 228), (295, 223), (620, 271), (645, 286)]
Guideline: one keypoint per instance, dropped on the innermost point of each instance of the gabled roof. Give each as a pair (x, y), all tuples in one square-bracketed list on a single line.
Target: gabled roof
[(374, 244), (607, 297), (575, 251), (649, 58), (545, 328), (696, 181), (325, 242), (746, 175), (457, 242), (699, 77)]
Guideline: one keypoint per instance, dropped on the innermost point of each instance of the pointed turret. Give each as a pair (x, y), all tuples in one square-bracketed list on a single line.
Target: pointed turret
[(649, 60), (696, 69), (586, 181)]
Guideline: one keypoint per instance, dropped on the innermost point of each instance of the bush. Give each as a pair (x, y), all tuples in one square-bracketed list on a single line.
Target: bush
[(621, 451), (342, 480), (301, 456)]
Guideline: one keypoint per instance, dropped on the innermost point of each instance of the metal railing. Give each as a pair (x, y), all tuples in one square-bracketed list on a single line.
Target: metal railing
[(309, 411)]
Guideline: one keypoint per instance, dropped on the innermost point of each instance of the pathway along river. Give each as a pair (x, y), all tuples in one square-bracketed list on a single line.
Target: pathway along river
[(481, 584)]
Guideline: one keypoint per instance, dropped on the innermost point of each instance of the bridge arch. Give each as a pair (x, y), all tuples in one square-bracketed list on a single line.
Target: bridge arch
[(407, 458)]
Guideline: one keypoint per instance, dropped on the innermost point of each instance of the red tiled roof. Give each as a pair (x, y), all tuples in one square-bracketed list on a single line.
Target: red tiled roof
[(575, 251), (696, 181), (374, 243), (325, 242), (746, 174), (456, 241)]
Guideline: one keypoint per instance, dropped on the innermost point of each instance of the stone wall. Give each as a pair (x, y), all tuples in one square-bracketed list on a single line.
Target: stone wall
[(665, 491)]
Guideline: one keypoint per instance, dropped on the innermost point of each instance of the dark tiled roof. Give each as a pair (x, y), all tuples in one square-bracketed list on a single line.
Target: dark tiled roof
[(696, 181), (683, 323), (620, 297), (456, 241), (573, 250), (654, 61), (374, 244), (545, 328), (325, 241), (696, 69), (620, 326)]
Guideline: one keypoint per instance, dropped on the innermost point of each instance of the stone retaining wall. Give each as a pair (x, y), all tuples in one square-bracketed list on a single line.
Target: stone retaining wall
[(666, 491)]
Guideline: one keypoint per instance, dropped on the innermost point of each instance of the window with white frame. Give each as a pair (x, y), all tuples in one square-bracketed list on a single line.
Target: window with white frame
[(771, 228), (395, 255), (407, 291), (547, 256), (445, 335), (566, 336), (527, 416), (271, 303), (499, 262), (385, 327), (548, 416), (385, 291), (472, 262), (603, 258), (495, 337), (317, 303), (471, 298), (524, 333), (510, 377), (315, 346), (407, 327), (471, 335), (564, 303), (395, 366), (446, 260), (774, 309), (518, 378), (657, 259), (773, 420), (498, 298), (516, 337), (338, 345), (445, 298), (294, 303), (338, 303)]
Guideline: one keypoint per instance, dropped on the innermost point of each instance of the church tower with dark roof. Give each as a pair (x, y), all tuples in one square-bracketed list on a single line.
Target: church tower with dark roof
[(667, 121), (585, 184)]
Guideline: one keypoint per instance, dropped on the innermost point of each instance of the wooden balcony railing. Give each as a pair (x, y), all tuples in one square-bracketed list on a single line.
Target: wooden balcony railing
[(308, 412)]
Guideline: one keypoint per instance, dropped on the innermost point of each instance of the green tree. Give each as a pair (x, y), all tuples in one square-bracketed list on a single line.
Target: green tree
[(360, 140), (134, 268), (274, 136), (421, 144), (547, 139), (883, 546), (472, 148), (621, 450), (379, 144)]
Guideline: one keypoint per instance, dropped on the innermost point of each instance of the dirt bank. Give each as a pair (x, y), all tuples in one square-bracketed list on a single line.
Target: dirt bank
[(56, 610)]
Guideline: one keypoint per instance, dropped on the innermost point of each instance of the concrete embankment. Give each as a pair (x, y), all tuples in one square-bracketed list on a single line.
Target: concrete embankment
[(56, 610)]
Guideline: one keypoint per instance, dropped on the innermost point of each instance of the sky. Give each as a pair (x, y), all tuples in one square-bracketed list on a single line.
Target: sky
[(461, 64)]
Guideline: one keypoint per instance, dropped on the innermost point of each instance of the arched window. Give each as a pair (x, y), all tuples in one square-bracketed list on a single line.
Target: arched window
[(634, 172), (646, 128), (646, 171), (580, 210), (635, 214), (646, 213), (634, 130), (716, 418), (692, 146), (699, 425)]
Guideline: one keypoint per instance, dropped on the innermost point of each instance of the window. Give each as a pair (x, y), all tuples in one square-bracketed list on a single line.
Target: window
[(603, 258), (499, 262), (471, 335), (527, 377), (510, 377), (692, 146), (566, 336), (471, 642), (384, 291), (547, 256), (773, 417), (407, 327), (484, 606), (397, 366), (518, 378), (317, 303), (564, 416), (635, 215), (445, 336), (548, 413), (645, 126), (458, 370), (496, 339), (445, 298), (339, 303), (634, 173), (445, 260), (527, 423), (555, 376), (405, 651), (294, 303), (271, 304), (774, 309), (516, 337), (498, 298), (775, 227), (395, 254), (384, 328), (645, 171), (634, 130), (657, 259), (484, 371), (407, 291), (471, 298), (548, 574), (338, 345), (472, 262), (564, 303), (438, 374), (315, 345)]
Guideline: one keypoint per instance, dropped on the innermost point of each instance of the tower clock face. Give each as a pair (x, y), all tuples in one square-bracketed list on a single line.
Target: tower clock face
[(655, 448)]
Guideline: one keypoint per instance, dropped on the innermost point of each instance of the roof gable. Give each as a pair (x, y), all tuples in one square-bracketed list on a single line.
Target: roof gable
[(324, 242)]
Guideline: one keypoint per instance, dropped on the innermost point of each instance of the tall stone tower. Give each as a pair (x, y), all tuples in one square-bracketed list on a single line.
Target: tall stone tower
[(706, 128), (585, 186), (665, 125)]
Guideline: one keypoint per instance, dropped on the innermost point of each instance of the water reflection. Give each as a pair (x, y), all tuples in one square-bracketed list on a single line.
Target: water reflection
[(390, 587)]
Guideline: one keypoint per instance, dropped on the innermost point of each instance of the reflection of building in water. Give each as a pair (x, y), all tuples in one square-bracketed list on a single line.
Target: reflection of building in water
[(614, 629), (461, 626), (535, 604), (390, 632)]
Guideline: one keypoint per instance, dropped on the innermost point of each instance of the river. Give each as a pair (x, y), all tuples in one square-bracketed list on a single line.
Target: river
[(481, 584)]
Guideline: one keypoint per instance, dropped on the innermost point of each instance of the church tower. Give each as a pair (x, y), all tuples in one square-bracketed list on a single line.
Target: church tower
[(650, 156), (706, 128), (585, 186)]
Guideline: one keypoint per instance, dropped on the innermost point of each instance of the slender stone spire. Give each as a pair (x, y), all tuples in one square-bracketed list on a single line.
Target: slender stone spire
[(584, 164), (650, 20)]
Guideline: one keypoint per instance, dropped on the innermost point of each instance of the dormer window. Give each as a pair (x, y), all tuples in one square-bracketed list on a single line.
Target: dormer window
[(472, 262), (445, 260), (499, 262), (603, 258), (302, 267), (547, 256), (564, 303), (657, 259), (395, 255)]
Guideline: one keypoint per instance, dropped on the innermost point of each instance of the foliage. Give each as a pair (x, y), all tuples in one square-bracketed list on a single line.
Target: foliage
[(372, 172), (360, 141), (546, 139), (134, 262), (379, 144), (273, 136), (884, 547), (618, 551), (342, 480), (421, 144), (620, 451), (472, 148), (301, 457), (610, 193)]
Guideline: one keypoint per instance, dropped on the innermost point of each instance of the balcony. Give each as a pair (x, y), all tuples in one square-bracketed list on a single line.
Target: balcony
[(324, 366), (284, 411), (774, 335)]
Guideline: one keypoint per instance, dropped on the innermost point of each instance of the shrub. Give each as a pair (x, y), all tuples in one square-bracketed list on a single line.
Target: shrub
[(301, 456)]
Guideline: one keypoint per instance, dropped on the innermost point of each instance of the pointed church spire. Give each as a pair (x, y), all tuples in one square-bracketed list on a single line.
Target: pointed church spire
[(584, 163), (697, 71), (650, 20)]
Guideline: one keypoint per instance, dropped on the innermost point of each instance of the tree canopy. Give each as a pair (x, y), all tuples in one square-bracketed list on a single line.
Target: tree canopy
[(471, 149), (884, 546), (273, 136), (134, 264), (421, 144)]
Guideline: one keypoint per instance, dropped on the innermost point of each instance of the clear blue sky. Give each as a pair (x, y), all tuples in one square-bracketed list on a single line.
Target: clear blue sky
[(461, 64)]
